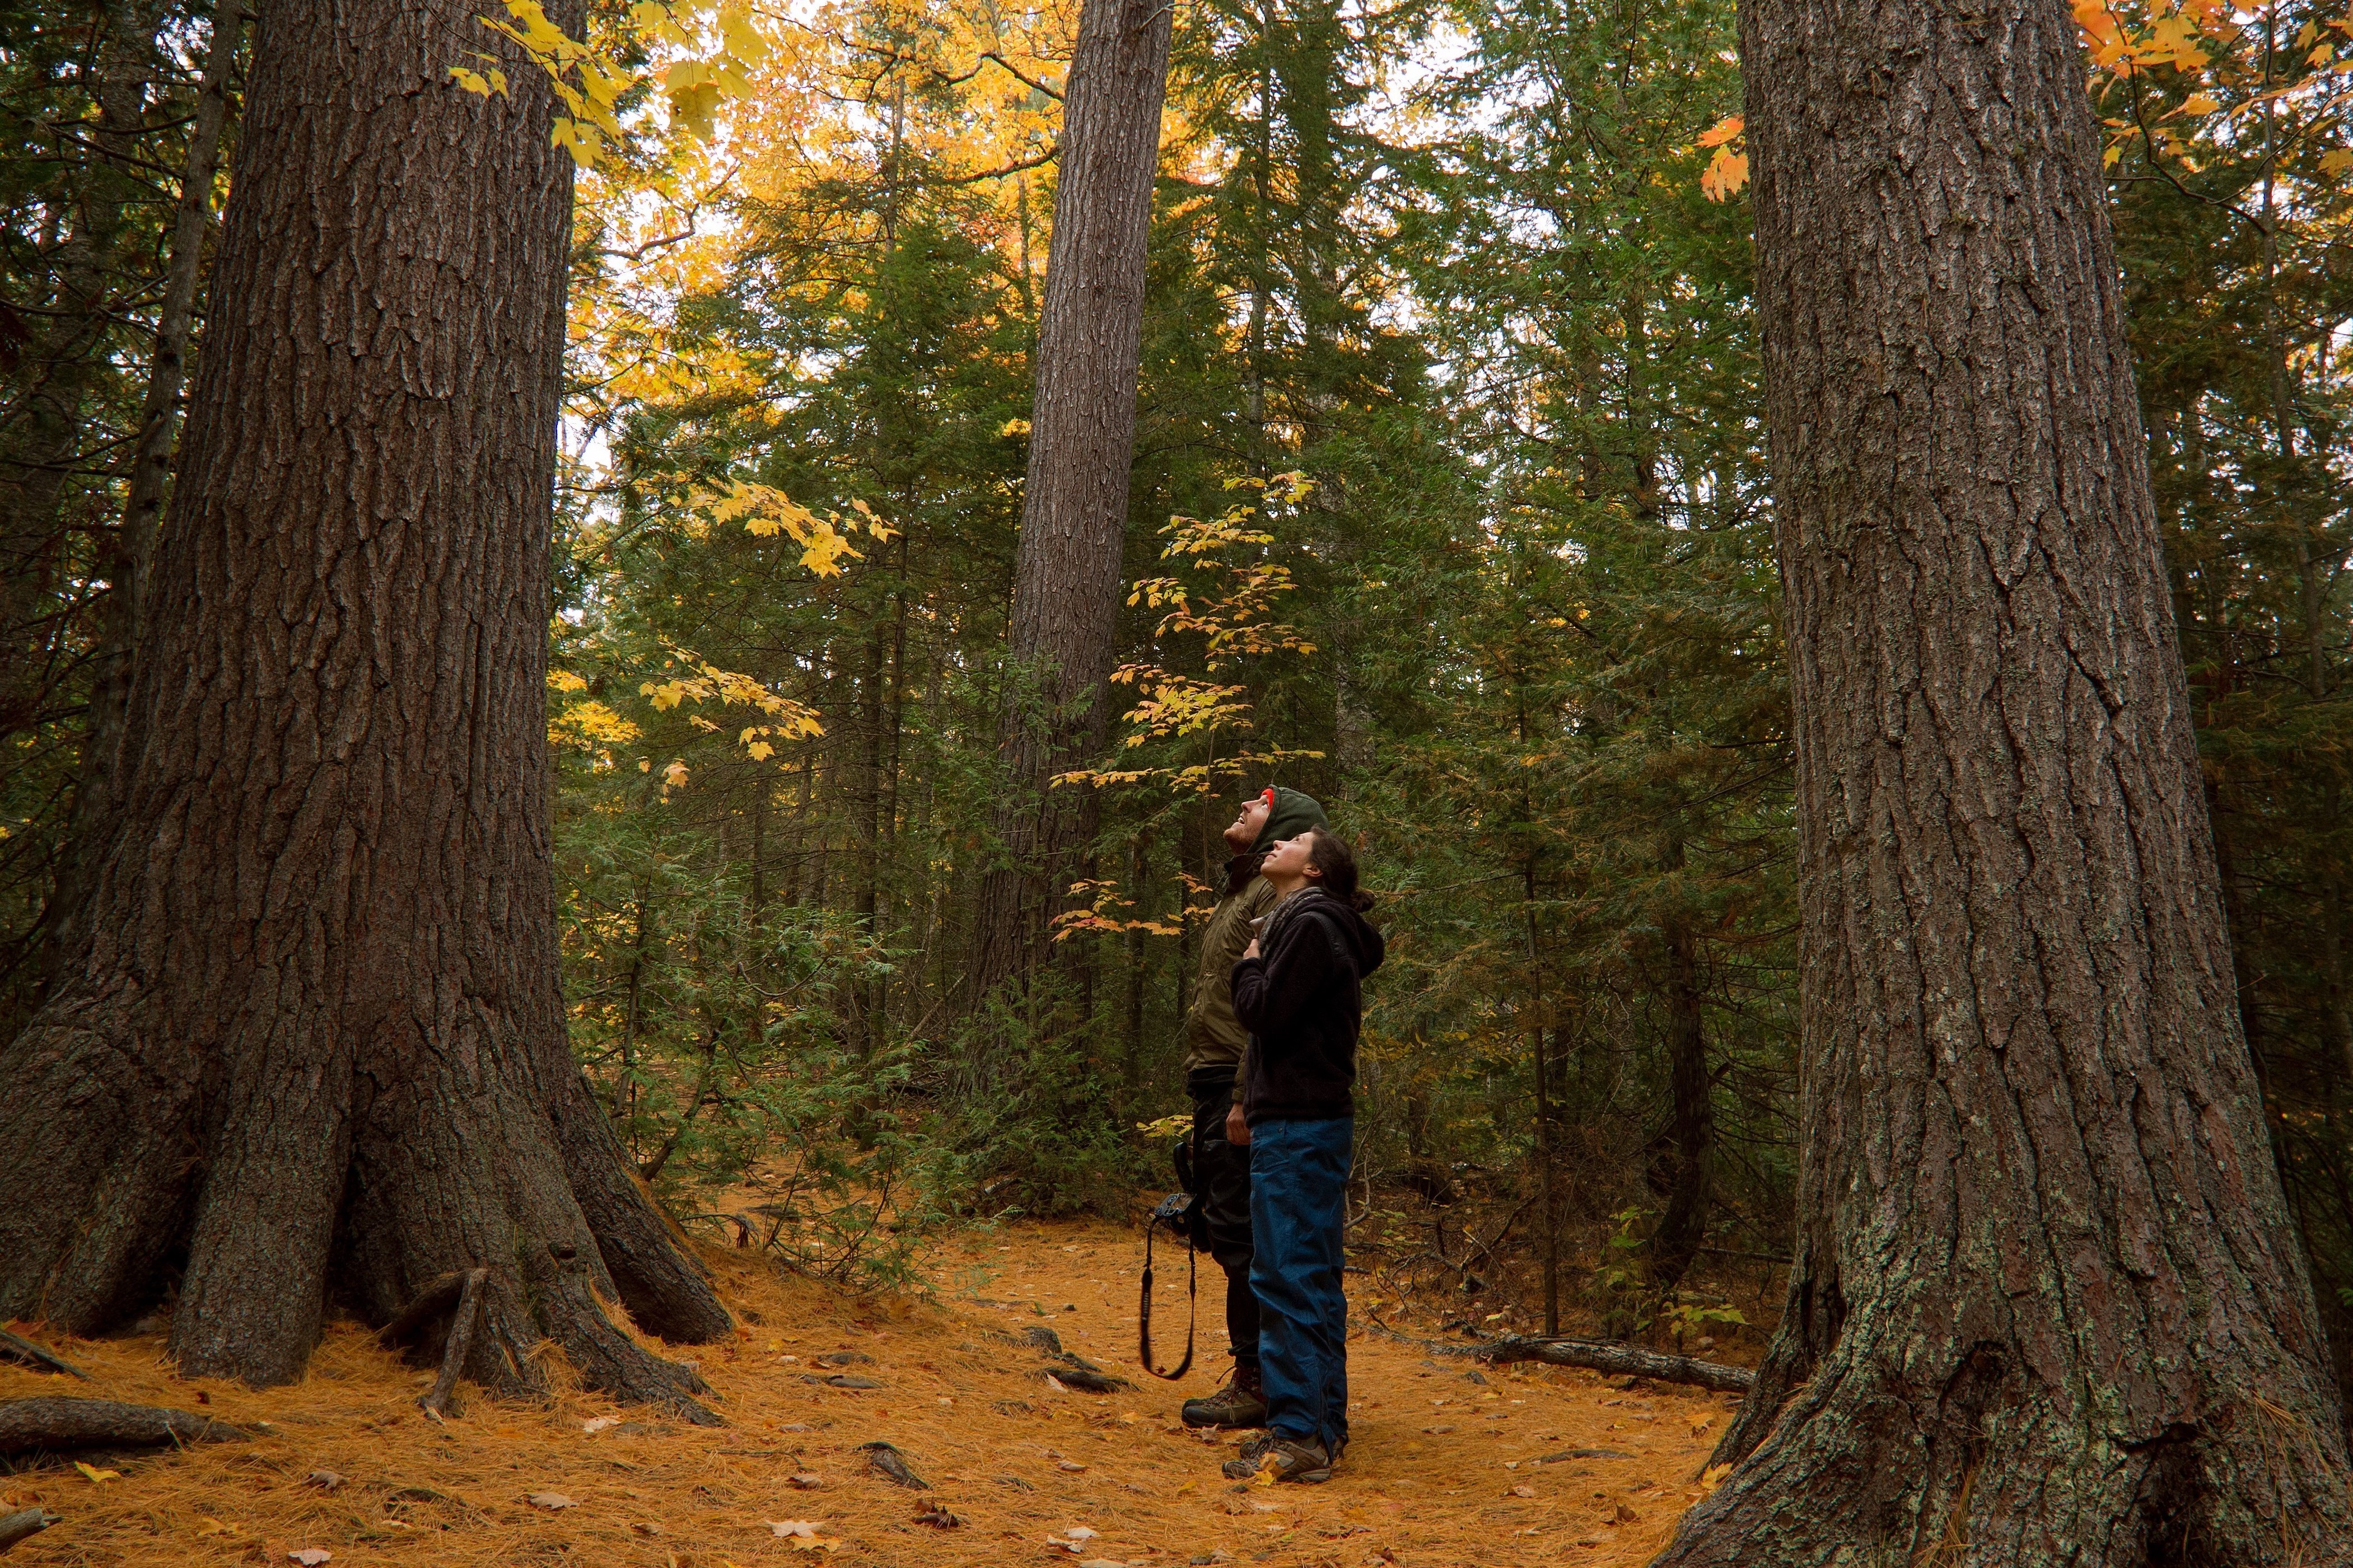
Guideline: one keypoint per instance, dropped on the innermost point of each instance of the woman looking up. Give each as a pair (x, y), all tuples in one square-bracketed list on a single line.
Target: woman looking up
[(1297, 991), (1215, 1043)]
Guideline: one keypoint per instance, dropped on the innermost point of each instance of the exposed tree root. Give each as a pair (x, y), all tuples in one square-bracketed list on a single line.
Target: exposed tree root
[(608, 1359), (15, 1527), (25, 1352), (30, 1426), (484, 1331), (652, 1265), (1618, 1361)]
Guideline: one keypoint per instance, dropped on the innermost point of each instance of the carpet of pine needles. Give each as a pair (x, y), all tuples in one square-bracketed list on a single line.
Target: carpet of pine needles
[(1443, 1468)]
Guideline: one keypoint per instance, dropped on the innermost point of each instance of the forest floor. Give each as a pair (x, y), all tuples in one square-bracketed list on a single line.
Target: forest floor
[(1443, 1467)]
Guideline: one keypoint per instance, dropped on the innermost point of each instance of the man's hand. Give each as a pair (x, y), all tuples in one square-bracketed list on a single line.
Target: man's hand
[(1252, 950), (1237, 1130)]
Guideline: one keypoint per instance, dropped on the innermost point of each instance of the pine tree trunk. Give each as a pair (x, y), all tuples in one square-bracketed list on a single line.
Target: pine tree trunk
[(2048, 1305), (1683, 1228), (314, 1043), (1066, 587)]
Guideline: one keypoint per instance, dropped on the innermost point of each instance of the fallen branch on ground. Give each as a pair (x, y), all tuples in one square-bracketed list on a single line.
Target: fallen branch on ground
[(25, 1352), (27, 1425), (24, 1521), (886, 1461), (460, 1295), (1596, 1355), (1076, 1370), (461, 1340)]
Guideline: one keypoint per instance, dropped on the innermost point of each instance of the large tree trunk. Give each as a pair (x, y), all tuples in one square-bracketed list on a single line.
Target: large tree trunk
[(2047, 1305), (313, 1045), (1066, 586)]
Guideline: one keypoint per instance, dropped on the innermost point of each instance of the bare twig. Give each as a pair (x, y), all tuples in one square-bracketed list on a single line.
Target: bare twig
[(25, 1352), (1015, 167)]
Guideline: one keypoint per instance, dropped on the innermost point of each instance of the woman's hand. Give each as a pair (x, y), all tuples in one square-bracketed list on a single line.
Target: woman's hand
[(1252, 950), (1237, 1129)]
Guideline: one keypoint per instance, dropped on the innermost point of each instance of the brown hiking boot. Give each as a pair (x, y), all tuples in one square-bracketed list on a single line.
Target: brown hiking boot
[(1241, 1403), (1288, 1458)]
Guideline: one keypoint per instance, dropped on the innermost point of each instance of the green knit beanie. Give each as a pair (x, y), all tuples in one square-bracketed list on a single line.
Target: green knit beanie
[(1293, 814)]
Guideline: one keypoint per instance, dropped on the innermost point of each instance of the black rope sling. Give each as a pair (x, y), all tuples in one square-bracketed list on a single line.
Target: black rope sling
[(1170, 1212)]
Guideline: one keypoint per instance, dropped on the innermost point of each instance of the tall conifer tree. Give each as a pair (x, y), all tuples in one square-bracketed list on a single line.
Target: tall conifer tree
[(2047, 1305)]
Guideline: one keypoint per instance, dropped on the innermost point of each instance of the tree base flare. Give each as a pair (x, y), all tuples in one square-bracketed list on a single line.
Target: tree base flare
[(1989, 1467)]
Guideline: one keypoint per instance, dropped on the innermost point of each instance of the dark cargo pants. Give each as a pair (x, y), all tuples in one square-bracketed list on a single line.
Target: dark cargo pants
[(1221, 1176)]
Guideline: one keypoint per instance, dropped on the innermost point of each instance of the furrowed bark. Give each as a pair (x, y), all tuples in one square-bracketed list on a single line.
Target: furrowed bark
[(315, 1038), (2048, 1304), (1066, 588)]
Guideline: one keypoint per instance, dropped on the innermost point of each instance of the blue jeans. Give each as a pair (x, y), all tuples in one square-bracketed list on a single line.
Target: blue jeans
[(1299, 1180)]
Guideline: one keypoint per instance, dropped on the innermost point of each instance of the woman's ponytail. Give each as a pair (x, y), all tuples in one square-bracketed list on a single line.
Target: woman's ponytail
[(1336, 867)]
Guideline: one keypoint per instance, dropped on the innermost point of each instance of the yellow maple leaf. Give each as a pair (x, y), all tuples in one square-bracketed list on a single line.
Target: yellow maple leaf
[(1727, 175), (744, 40)]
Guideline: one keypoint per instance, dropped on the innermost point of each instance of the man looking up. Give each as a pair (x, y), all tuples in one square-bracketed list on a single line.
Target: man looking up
[(1215, 1042)]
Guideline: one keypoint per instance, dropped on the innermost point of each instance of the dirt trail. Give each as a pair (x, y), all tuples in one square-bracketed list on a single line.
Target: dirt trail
[(1443, 1468)]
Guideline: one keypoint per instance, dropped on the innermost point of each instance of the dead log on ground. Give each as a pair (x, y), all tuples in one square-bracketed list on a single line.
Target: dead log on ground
[(1596, 1355), (30, 1424)]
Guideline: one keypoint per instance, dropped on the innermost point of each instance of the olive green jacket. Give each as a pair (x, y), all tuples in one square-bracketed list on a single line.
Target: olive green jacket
[(1213, 1036)]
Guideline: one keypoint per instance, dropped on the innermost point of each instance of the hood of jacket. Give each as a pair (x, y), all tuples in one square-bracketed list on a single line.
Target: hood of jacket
[(1364, 938), (1292, 813)]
